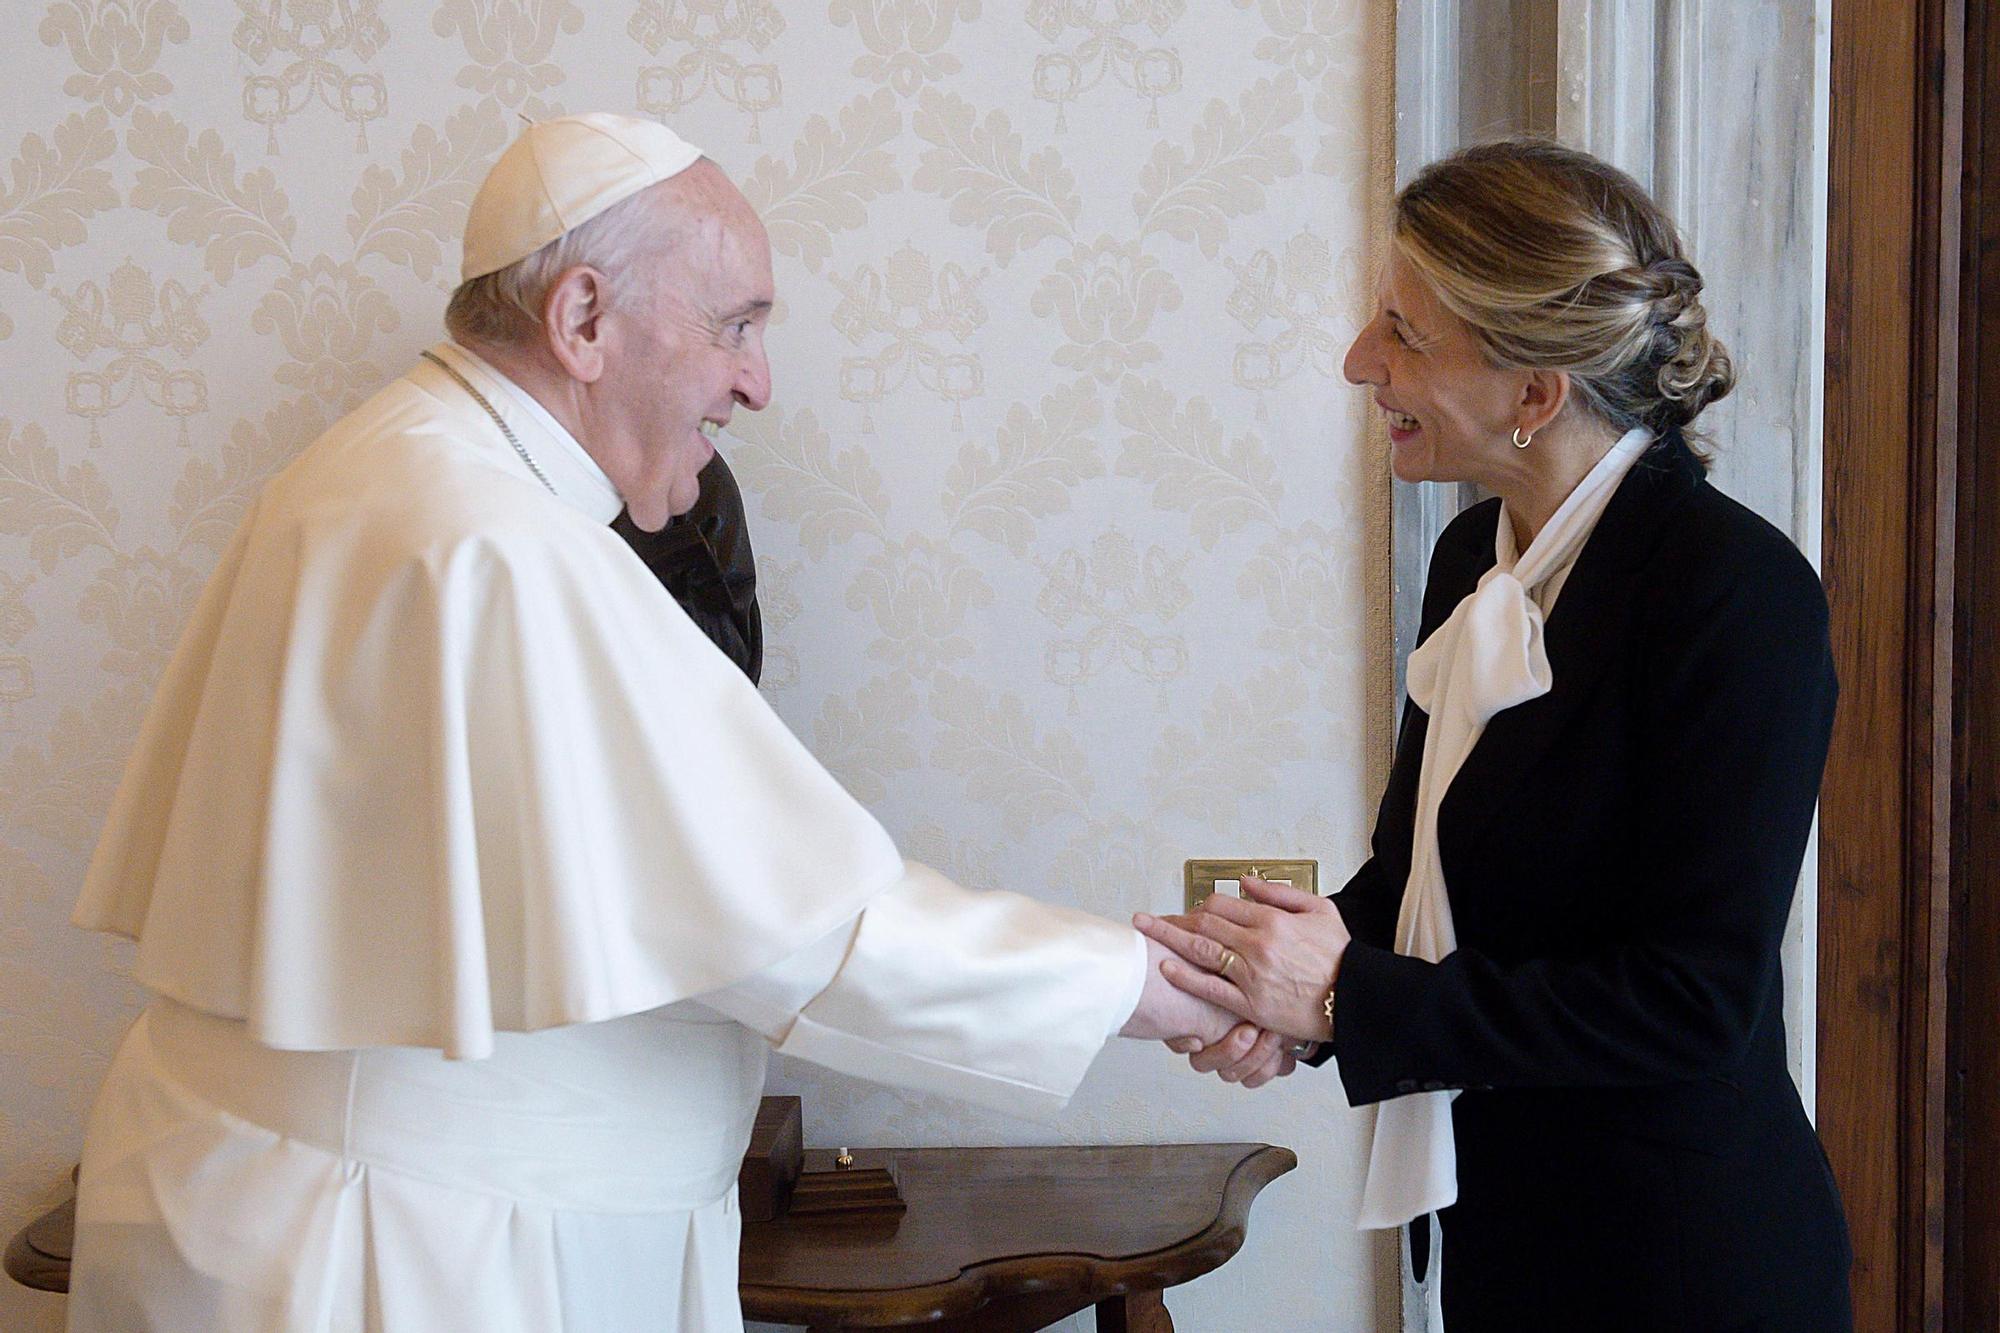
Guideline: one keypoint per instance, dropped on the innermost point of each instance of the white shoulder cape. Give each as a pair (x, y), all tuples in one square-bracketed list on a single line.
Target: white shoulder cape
[(438, 757)]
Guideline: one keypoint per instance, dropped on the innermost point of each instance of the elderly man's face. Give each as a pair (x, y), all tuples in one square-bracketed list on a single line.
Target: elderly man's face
[(688, 352)]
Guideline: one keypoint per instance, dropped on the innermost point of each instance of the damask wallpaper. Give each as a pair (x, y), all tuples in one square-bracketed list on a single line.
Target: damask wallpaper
[(1072, 539)]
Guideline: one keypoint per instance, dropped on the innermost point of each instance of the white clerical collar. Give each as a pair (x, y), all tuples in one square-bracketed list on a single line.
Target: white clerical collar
[(572, 473)]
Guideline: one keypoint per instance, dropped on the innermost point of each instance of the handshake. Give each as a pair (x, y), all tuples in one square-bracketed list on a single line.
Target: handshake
[(1242, 986)]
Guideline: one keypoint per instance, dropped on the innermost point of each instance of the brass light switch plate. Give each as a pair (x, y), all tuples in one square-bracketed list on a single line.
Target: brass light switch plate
[(1211, 875)]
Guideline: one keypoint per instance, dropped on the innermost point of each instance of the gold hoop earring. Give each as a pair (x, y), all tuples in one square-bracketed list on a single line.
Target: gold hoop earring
[(1520, 443)]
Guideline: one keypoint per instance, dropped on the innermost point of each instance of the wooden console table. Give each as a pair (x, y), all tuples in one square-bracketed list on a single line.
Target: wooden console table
[(38, 1255), (995, 1240), (1008, 1240)]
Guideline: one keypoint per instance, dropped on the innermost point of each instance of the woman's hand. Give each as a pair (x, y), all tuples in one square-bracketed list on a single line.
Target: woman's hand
[(1282, 949), (1248, 1055)]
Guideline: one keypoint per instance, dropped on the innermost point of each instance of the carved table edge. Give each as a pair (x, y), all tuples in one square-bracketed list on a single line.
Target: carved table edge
[(32, 1269), (1092, 1278)]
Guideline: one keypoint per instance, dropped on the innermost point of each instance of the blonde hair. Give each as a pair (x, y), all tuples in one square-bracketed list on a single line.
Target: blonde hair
[(1559, 261)]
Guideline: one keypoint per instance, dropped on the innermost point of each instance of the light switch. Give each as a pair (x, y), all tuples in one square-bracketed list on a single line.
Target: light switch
[(1211, 875)]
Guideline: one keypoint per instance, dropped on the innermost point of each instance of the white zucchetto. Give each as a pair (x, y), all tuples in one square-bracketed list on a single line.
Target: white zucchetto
[(560, 174)]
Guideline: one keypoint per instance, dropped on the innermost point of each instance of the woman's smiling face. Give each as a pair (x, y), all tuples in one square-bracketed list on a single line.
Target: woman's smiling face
[(1451, 414)]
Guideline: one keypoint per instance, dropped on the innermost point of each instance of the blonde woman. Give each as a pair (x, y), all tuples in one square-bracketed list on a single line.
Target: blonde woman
[(1558, 974)]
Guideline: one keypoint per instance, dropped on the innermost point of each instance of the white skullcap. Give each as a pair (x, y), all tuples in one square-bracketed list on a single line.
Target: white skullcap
[(560, 174)]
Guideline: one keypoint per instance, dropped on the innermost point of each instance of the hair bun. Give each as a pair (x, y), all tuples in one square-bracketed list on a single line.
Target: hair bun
[(1557, 260), (1675, 287), (1694, 367)]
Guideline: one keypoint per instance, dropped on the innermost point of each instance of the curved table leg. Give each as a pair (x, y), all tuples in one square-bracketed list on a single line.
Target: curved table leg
[(1137, 1312), (1014, 1314)]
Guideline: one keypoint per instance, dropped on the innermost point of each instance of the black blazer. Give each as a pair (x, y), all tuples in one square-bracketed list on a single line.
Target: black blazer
[(1621, 855), (703, 559)]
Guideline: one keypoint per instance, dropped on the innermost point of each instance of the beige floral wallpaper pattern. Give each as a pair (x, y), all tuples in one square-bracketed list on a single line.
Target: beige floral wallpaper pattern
[(1070, 532)]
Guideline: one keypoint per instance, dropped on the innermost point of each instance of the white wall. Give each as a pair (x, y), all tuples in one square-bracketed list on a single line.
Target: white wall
[(1069, 529)]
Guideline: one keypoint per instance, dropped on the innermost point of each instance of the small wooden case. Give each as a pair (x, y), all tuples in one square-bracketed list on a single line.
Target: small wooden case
[(772, 1164)]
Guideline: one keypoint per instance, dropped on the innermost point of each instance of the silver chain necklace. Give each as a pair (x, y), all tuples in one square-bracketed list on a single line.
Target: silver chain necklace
[(480, 398)]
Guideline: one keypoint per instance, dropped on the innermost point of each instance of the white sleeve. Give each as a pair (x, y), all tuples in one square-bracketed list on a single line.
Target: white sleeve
[(991, 997), (768, 1002)]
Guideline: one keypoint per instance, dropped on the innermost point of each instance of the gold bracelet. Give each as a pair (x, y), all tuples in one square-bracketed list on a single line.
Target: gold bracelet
[(1302, 1049)]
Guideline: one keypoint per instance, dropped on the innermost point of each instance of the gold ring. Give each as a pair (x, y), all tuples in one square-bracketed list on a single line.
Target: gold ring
[(1228, 958)]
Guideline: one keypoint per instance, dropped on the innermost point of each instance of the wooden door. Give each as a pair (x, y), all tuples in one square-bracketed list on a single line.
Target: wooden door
[(1909, 1036)]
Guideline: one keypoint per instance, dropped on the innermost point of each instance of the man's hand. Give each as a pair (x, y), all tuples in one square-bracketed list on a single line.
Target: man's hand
[(1166, 1012)]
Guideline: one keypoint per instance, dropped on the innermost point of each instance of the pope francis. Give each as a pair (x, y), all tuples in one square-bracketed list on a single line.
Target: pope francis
[(474, 883)]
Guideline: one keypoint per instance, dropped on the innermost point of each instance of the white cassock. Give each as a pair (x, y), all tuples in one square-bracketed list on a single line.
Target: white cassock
[(476, 885)]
